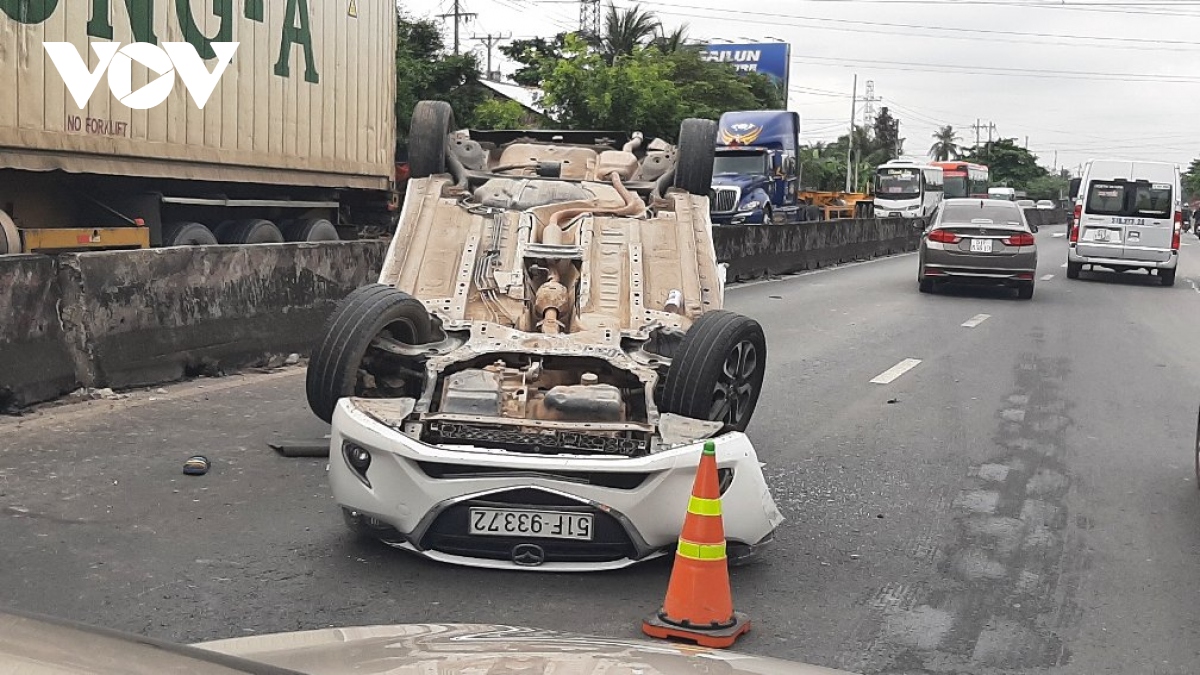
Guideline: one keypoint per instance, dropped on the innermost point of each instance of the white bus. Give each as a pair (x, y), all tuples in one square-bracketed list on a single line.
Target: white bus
[(907, 190)]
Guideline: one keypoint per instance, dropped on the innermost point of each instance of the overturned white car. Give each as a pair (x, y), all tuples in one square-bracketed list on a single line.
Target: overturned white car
[(530, 383)]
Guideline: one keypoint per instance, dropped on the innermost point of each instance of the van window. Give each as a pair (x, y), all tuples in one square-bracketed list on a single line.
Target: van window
[(1119, 198), (1106, 199), (1152, 200)]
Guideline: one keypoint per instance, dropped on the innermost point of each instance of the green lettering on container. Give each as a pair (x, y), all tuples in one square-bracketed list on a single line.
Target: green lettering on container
[(293, 34), (141, 20), (28, 12), (222, 9), (254, 10)]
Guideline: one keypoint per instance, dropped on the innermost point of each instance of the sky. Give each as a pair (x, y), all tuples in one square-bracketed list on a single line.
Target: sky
[(1070, 80)]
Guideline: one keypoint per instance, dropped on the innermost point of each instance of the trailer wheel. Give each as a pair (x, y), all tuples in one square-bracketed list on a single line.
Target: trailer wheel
[(717, 371), (344, 363), (251, 231), (187, 234), (10, 237), (432, 121), (309, 229), (694, 161)]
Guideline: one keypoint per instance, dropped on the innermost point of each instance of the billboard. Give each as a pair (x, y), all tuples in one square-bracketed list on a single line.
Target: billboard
[(769, 58)]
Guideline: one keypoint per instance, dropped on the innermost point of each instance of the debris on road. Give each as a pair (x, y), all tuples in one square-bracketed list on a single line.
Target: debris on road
[(302, 448), (197, 465), (292, 359)]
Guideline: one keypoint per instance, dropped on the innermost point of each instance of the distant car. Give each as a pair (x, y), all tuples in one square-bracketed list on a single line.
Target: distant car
[(978, 241), (1026, 204), (1045, 204)]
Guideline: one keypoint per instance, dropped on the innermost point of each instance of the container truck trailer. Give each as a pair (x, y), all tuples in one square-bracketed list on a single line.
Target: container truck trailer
[(107, 140)]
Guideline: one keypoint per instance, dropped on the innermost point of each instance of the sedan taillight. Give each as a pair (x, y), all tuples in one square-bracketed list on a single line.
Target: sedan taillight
[(1023, 239), (944, 237)]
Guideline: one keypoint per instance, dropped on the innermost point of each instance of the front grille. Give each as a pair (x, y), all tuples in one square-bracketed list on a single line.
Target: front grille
[(547, 441), (724, 199), (609, 479), (449, 532)]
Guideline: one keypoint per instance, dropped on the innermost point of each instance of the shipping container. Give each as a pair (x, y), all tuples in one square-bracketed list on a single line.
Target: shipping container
[(299, 128)]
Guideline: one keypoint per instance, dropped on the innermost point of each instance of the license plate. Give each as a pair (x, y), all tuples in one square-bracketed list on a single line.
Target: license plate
[(1106, 236), (512, 522), (981, 246)]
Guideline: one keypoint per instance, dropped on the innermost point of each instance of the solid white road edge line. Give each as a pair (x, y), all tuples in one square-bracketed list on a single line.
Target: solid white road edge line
[(1063, 265), (1047, 277), (888, 376), (976, 320), (736, 285)]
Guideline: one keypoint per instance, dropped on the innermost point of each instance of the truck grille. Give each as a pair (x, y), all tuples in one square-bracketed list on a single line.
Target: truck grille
[(724, 199)]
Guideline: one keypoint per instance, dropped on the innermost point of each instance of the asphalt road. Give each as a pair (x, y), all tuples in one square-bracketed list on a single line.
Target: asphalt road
[(1020, 501)]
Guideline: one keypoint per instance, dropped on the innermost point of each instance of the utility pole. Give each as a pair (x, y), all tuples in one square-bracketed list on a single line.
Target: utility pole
[(869, 101), (1026, 142), (976, 127), (991, 127), (589, 17), (850, 149), (899, 141), (490, 41), (460, 17)]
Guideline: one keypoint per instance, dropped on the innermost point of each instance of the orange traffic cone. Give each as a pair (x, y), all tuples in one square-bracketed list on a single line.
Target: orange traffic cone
[(699, 604)]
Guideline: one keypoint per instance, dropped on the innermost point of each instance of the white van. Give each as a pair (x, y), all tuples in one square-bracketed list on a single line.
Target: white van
[(1128, 216), (1006, 193), (908, 190)]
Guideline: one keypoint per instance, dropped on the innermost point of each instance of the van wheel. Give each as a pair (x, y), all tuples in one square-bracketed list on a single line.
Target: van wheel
[(1167, 277), (187, 234), (717, 372), (344, 363), (1073, 270)]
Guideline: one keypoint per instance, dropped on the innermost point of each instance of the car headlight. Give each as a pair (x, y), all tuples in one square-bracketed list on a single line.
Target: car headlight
[(750, 205)]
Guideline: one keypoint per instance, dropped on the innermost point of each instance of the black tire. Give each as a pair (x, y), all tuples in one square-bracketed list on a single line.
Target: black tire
[(333, 369), (309, 229), (1167, 277), (694, 161), (699, 383), (185, 233), (925, 285), (768, 215), (250, 231), (1025, 292), (432, 122), (1073, 270)]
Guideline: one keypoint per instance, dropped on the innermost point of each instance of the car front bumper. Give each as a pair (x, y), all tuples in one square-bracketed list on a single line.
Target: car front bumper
[(419, 497)]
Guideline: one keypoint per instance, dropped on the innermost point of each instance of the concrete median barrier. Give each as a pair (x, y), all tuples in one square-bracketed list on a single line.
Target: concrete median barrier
[(131, 318), (35, 362), (753, 251)]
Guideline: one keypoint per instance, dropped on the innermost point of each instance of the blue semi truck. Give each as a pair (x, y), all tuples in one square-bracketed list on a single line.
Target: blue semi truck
[(756, 176)]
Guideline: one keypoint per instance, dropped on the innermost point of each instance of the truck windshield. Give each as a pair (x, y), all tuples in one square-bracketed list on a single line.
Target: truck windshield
[(956, 186), (742, 164), (898, 183)]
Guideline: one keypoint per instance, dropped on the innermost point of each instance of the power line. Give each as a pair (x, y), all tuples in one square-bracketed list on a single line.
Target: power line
[(460, 17), (490, 41), (998, 71)]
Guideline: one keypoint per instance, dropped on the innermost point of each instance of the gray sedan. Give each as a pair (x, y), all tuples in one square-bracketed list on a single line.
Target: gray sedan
[(978, 241)]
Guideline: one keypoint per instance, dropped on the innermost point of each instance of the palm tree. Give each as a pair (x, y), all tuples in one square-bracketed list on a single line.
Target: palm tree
[(676, 40), (626, 30), (945, 146)]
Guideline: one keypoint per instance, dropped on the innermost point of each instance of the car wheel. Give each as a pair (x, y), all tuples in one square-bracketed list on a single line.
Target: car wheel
[(1025, 292), (1073, 270), (10, 236), (310, 229), (694, 163), (1167, 277), (252, 231), (925, 285), (187, 234), (718, 370), (432, 122), (1198, 452), (768, 215), (345, 363)]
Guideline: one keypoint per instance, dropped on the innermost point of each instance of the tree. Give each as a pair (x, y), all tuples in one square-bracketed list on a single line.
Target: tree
[(1008, 163), (499, 114), (1191, 180), (945, 146), (626, 30), (537, 57), (676, 40), (425, 71), (887, 135)]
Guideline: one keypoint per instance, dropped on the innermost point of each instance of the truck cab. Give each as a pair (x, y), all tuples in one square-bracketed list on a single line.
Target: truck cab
[(755, 172)]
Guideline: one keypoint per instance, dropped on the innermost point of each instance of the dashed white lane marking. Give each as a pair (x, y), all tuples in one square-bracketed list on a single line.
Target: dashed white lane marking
[(976, 320), (1047, 277), (1194, 287), (1063, 265), (1059, 234), (888, 376)]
